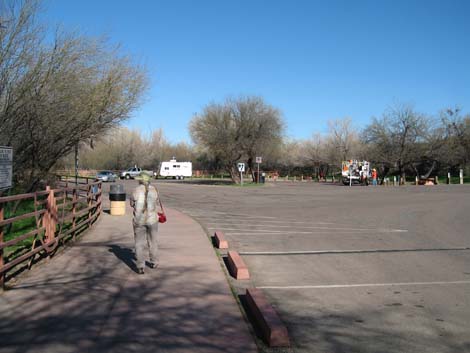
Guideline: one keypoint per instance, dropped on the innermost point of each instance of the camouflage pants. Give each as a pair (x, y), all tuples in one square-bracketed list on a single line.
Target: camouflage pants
[(146, 235)]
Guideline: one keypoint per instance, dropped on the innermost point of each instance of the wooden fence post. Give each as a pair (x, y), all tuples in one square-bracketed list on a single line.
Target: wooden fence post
[(74, 210), (50, 217), (2, 275), (100, 198), (89, 199)]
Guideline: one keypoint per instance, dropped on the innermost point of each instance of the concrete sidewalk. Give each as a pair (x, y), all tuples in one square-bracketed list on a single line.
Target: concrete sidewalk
[(89, 299)]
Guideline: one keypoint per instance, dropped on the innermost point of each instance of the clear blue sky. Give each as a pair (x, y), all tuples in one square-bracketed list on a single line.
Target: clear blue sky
[(313, 60)]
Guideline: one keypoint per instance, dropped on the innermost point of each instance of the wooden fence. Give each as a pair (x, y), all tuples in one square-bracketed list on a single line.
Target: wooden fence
[(53, 216)]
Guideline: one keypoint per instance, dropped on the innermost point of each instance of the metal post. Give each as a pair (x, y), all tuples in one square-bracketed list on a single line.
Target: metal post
[(350, 175), (257, 179), (416, 180), (448, 178), (461, 176), (241, 178), (394, 180)]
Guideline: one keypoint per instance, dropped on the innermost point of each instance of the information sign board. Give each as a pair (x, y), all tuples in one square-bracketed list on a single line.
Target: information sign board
[(6, 167)]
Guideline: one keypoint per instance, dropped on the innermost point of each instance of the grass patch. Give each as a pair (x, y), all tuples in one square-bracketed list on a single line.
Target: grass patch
[(454, 180)]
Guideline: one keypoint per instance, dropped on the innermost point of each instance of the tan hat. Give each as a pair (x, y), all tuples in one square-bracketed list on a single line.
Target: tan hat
[(144, 177)]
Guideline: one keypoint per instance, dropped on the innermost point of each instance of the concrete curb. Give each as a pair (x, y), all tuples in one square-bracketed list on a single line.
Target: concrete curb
[(236, 266), (273, 331), (220, 241)]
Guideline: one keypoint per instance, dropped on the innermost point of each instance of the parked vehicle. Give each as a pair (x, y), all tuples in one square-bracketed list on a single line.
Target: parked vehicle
[(131, 173), (176, 170), (354, 171), (106, 176)]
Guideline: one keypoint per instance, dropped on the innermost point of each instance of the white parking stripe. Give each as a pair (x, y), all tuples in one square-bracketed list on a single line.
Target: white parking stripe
[(320, 228), (354, 251), (224, 216), (331, 286), (236, 221), (297, 233), (283, 224)]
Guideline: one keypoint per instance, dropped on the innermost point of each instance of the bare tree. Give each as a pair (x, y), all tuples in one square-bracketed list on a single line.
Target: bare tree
[(457, 128), (343, 141), (261, 126), (235, 130), (59, 96), (394, 140)]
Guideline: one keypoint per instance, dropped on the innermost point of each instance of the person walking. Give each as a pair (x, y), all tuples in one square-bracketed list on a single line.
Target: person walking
[(144, 201), (374, 177)]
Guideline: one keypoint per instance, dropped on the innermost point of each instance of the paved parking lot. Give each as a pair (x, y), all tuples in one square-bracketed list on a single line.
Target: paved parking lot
[(361, 269)]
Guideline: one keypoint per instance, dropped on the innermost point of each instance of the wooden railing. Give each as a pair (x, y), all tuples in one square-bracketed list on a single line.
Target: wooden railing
[(57, 216)]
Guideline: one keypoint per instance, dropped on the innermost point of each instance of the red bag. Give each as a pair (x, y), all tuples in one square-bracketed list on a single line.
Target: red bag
[(161, 215)]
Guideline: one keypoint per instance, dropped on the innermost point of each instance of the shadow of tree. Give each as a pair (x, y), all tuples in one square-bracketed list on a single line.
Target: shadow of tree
[(84, 301)]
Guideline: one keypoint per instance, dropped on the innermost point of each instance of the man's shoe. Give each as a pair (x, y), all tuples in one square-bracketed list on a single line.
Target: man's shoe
[(140, 271), (153, 265)]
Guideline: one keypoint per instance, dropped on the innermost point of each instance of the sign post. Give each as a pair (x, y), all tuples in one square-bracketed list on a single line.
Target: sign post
[(258, 161), (6, 167), (350, 174), (241, 169)]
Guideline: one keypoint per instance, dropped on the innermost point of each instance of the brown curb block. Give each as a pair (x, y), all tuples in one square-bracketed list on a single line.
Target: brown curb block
[(220, 241), (273, 331), (236, 266)]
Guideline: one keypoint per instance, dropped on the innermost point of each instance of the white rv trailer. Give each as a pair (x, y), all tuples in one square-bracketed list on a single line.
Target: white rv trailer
[(177, 170)]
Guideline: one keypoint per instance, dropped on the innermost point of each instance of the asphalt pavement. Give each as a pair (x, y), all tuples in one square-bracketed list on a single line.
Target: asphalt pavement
[(360, 269)]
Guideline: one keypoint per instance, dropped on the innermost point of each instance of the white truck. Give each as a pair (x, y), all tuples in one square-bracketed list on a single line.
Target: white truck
[(176, 170), (131, 173), (354, 171)]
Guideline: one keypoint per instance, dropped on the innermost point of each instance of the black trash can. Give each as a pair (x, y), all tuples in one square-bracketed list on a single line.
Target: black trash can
[(262, 178), (117, 196)]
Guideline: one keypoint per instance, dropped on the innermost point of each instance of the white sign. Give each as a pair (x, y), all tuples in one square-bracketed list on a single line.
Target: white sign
[(259, 159), (6, 167), (241, 167)]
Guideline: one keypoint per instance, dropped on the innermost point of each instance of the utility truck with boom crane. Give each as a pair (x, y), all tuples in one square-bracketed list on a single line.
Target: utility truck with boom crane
[(355, 172)]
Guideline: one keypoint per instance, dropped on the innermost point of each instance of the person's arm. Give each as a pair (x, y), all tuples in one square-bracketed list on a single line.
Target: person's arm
[(157, 200), (132, 200)]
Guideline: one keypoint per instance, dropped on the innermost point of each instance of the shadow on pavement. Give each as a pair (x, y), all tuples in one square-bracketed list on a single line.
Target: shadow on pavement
[(126, 255), (95, 308)]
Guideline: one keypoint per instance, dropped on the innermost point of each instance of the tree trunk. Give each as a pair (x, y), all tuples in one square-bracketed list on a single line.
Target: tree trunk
[(234, 174)]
